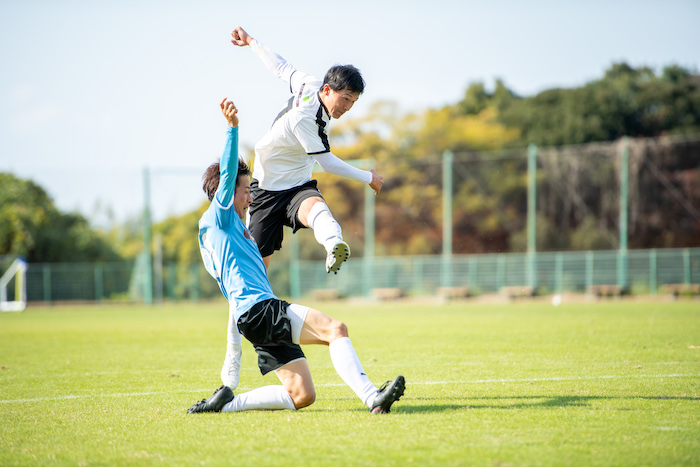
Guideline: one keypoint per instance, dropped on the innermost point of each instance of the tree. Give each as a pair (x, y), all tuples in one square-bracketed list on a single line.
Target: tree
[(32, 227), (625, 102)]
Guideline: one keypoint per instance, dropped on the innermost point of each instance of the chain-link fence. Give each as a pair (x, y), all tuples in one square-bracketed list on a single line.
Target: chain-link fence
[(648, 272)]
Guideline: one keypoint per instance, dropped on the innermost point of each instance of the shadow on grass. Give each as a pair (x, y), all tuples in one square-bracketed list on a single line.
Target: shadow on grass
[(529, 402)]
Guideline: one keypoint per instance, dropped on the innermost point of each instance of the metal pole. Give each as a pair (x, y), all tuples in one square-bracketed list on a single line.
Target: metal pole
[(447, 160), (531, 214), (558, 272), (148, 261), (46, 275), (589, 270), (99, 282), (622, 254), (158, 268), (652, 271), (369, 239)]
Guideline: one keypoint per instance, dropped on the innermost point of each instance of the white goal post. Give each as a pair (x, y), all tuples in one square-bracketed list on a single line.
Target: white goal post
[(17, 270)]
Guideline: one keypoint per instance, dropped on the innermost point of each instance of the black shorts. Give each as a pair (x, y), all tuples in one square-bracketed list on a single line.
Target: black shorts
[(272, 210), (267, 326)]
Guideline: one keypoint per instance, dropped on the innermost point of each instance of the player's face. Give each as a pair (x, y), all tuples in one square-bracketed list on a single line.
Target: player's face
[(242, 197), (339, 102)]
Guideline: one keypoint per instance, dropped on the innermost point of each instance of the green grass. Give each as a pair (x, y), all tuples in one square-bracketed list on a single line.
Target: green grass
[(609, 383)]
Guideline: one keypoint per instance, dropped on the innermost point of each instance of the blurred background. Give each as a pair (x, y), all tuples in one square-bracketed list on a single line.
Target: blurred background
[(527, 149)]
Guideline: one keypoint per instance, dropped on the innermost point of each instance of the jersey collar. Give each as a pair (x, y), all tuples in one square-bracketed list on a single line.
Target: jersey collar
[(323, 105)]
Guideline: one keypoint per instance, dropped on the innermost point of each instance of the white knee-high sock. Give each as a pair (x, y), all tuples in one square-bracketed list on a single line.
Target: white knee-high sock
[(326, 229), (264, 398), (231, 369), (348, 366)]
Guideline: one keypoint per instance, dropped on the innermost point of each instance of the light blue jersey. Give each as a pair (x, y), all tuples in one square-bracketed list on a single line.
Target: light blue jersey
[(228, 250)]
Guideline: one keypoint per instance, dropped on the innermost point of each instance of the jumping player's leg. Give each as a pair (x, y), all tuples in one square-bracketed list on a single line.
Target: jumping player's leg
[(314, 213)]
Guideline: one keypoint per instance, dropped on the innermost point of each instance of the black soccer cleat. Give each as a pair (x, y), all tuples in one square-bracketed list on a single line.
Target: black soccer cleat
[(215, 403), (389, 392)]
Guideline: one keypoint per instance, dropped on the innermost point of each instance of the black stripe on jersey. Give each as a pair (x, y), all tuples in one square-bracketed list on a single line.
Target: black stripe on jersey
[(290, 102), (321, 125), (290, 81)]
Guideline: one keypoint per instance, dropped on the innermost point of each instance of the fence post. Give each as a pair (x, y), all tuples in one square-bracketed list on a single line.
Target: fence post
[(369, 240), (652, 271), (446, 270), (46, 273), (148, 261), (500, 271), (624, 179), (686, 266), (472, 274), (558, 272), (99, 282), (589, 270), (418, 276), (194, 271), (531, 214)]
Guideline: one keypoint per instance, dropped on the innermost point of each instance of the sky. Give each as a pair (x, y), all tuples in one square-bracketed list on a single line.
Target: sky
[(94, 93)]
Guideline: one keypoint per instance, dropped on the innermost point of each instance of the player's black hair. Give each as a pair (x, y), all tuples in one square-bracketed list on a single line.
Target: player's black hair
[(345, 77), (210, 179)]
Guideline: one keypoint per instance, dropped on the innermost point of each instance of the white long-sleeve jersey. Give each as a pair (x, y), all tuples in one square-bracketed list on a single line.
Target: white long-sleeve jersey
[(285, 156)]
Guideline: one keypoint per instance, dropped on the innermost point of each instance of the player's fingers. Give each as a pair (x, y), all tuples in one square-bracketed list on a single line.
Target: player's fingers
[(223, 101)]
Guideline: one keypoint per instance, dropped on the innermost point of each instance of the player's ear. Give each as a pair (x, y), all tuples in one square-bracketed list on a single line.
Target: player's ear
[(326, 89)]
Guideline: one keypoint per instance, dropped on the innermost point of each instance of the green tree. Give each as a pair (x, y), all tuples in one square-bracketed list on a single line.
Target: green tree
[(32, 227), (625, 102)]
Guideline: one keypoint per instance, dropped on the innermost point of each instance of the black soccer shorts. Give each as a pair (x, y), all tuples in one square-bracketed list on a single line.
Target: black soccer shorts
[(267, 326), (272, 210)]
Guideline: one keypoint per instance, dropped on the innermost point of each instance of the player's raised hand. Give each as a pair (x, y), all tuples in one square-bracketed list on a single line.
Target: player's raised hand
[(240, 37), (228, 108), (377, 182)]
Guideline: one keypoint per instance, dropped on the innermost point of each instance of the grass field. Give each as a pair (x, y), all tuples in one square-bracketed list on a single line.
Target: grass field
[(614, 383)]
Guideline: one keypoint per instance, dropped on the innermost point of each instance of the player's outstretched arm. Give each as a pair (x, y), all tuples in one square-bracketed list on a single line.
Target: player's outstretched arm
[(240, 37), (273, 62), (228, 165)]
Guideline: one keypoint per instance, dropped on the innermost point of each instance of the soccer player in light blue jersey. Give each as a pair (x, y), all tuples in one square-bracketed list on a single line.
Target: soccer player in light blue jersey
[(274, 327)]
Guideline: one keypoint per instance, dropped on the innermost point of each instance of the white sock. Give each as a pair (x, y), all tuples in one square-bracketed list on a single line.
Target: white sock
[(265, 398), (326, 229), (348, 366), (230, 371)]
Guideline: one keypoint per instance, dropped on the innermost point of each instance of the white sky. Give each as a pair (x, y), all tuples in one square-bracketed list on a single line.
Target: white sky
[(91, 92)]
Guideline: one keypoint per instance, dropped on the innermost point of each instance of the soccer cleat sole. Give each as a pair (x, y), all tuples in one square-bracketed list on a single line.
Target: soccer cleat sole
[(340, 253)]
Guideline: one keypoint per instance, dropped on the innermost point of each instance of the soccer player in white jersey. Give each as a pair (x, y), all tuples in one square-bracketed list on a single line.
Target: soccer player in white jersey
[(283, 191), (274, 327)]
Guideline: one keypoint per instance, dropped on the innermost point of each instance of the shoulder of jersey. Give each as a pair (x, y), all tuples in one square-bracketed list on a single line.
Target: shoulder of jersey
[(307, 96)]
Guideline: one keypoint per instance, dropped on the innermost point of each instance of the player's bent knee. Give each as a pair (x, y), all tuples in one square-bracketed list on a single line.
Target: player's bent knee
[(340, 329), (303, 399)]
